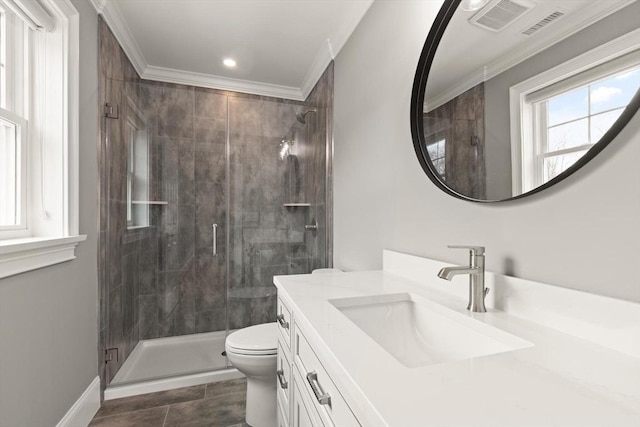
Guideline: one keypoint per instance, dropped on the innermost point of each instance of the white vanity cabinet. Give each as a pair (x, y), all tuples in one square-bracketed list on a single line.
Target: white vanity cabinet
[(307, 396)]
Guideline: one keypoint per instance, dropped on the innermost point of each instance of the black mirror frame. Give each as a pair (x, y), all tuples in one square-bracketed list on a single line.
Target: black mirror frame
[(417, 100)]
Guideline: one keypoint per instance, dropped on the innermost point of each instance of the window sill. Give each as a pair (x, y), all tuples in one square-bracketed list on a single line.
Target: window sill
[(22, 255)]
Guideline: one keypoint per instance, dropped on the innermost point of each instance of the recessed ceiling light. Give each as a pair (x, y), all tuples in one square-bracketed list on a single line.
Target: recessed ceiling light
[(228, 62)]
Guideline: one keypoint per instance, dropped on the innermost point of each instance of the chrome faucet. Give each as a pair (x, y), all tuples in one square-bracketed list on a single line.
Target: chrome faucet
[(475, 270)]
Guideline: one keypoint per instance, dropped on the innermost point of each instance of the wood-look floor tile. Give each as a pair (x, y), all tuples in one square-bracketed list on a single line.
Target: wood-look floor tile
[(153, 417), (226, 387), (150, 400), (223, 411)]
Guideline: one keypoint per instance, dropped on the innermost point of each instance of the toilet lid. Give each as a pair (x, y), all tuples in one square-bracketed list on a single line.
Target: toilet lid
[(258, 339)]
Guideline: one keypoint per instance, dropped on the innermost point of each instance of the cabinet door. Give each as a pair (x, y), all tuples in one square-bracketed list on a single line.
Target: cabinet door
[(282, 421), (301, 416)]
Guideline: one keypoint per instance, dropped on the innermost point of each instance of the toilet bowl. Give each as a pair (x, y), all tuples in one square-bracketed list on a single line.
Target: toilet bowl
[(253, 351)]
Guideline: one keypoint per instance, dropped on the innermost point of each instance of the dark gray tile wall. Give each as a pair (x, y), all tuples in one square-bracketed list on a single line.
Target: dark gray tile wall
[(460, 120), (213, 159)]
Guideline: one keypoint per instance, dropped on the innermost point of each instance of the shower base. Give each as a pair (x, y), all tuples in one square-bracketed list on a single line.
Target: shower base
[(167, 363)]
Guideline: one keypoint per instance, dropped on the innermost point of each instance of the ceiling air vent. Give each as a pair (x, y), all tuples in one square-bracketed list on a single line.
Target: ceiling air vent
[(498, 14), (543, 23)]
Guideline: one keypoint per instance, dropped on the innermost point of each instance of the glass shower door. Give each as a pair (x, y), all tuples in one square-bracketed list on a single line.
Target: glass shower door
[(164, 273), (268, 207)]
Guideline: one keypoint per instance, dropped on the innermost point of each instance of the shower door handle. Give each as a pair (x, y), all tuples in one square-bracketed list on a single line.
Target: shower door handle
[(215, 239)]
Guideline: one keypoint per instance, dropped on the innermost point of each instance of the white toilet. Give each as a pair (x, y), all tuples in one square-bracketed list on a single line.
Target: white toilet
[(253, 351)]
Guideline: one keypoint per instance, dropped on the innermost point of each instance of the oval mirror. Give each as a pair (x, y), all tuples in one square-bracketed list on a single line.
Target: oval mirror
[(512, 96)]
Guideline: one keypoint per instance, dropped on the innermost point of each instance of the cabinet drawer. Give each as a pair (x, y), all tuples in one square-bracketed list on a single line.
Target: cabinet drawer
[(326, 399), (285, 322), (284, 382)]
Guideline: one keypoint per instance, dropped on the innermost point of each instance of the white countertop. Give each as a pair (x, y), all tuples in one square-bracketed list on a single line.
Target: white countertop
[(562, 380)]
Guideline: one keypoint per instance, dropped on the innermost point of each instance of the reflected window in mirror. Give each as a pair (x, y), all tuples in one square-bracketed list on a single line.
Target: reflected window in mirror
[(437, 153), (562, 120)]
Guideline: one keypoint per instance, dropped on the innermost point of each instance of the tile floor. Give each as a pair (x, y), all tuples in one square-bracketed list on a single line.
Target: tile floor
[(220, 404)]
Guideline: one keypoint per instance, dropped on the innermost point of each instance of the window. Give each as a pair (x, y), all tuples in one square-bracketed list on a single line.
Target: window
[(436, 152), (569, 123), (38, 134), (137, 167), (557, 116), (13, 125)]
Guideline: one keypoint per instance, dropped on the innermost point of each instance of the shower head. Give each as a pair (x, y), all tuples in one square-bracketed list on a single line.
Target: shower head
[(302, 117)]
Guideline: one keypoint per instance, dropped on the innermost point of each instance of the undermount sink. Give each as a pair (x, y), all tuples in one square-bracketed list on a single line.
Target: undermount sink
[(418, 332)]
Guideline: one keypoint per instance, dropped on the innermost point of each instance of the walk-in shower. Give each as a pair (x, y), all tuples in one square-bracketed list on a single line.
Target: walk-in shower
[(199, 210)]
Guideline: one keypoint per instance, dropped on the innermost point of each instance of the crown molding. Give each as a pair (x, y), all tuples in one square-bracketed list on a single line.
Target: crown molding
[(170, 75), (98, 5), (113, 17), (517, 56), (329, 50), (323, 58)]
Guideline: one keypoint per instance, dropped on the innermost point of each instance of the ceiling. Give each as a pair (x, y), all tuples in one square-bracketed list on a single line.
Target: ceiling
[(487, 53), (281, 46)]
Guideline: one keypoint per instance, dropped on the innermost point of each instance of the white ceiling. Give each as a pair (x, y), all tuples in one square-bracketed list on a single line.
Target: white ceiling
[(486, 54), (281, 46)]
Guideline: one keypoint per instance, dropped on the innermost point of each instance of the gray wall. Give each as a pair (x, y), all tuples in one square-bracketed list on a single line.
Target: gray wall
[(498, 148), (48, 317), (583, 233)]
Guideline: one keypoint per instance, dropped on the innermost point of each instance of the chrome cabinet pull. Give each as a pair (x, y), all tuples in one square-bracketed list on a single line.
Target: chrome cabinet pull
[(281, 380), (215, 239), (283, 323), (322, 397)]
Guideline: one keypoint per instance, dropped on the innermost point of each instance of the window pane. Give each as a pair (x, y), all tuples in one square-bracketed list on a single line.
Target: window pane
[(601, 123), (439, 165), (554, 166), (9, 214), (569, 106), (436, 150), (3, 58), (615, 91), (568, 135)]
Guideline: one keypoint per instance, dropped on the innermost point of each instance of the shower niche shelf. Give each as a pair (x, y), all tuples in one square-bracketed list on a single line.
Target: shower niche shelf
[(149, 202), (296, 205)]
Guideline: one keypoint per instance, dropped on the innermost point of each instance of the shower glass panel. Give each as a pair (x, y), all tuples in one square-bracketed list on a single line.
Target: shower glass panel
[(205, 196), (266, 238)]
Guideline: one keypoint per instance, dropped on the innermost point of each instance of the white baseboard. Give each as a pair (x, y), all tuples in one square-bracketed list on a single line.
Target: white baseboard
[(82, 412)]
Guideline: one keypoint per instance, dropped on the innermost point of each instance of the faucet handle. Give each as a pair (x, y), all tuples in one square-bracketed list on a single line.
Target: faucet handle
[(475, 250)]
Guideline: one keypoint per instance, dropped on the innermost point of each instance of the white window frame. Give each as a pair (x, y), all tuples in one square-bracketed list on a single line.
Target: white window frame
[(52, 148), (525, 132), (137, 141), (13, 109), (19, 229)]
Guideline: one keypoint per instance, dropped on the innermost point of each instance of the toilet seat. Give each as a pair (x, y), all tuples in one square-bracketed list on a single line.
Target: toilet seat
[(258, 340)]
